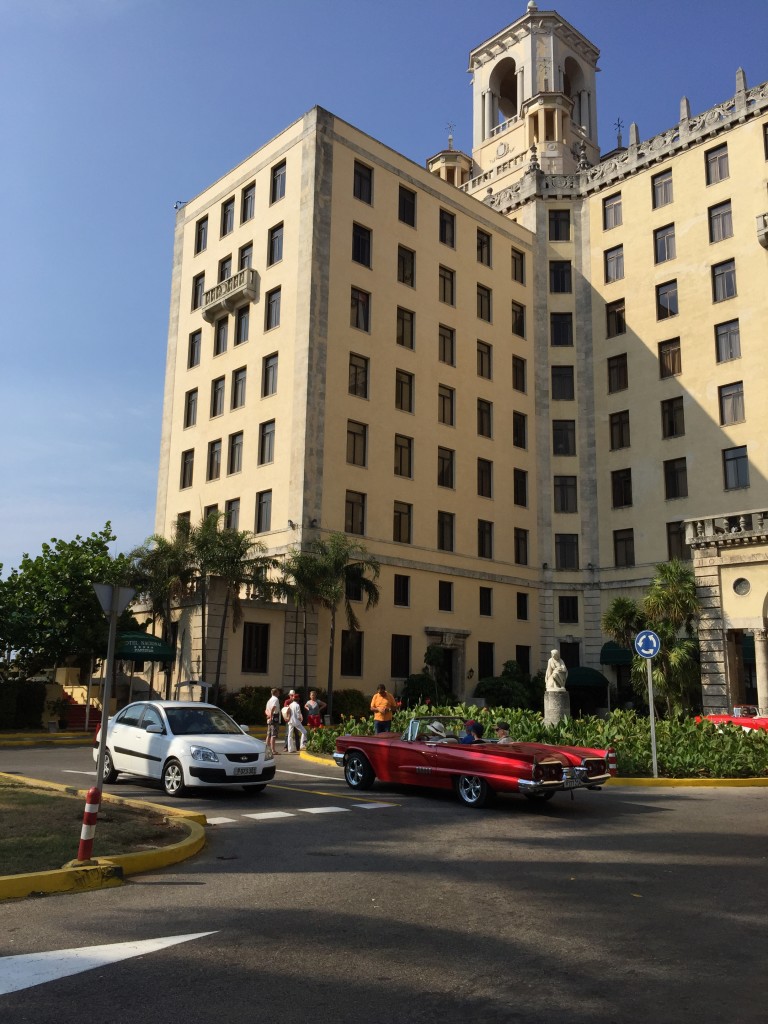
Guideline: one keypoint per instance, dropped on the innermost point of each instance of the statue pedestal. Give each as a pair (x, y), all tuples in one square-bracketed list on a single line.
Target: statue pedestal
[(557, 706)]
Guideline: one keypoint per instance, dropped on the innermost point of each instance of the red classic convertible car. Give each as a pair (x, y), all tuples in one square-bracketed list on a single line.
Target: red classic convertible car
[(746, 715), (434, 752)]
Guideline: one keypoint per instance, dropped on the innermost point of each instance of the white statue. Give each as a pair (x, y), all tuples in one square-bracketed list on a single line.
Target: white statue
[(557, 673)]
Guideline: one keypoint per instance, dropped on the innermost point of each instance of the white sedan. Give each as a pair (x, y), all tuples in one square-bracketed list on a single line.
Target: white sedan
[(184, 744)]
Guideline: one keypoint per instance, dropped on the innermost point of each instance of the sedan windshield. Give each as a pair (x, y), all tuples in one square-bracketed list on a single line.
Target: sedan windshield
[(200, 722)]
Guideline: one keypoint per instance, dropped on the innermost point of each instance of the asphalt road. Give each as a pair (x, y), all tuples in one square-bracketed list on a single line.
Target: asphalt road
[(622, 905)]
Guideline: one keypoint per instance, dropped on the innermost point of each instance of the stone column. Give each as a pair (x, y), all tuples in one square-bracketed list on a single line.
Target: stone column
[(761, 669), (557, 706)]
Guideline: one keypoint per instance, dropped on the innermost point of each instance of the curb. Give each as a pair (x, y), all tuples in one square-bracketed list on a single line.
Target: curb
[(690, 783), (316, 758)]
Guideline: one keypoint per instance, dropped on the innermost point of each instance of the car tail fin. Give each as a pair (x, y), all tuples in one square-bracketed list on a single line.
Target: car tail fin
[(613, 764)]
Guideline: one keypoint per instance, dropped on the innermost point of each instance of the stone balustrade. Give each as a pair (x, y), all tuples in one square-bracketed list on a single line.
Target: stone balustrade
[(227, 295), (727, 529)]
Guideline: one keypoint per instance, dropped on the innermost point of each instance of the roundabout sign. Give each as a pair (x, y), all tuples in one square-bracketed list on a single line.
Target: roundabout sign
[(648, 645)]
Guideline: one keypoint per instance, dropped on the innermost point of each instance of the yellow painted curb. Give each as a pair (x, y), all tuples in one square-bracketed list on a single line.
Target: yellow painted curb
[(83, 878), (693, 783), (315, 758)]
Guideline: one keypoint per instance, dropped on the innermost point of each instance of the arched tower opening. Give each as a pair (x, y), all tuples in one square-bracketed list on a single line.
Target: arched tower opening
[(503, 86), (575, 88)]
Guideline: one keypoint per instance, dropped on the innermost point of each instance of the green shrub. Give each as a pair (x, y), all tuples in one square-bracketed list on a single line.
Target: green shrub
[(349, 703), (247, 705), (514, 688), (21, 704), (421, 687)]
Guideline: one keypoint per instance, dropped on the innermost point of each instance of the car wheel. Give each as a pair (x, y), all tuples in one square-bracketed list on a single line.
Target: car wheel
[(358, 771), (173, 779), (473, 791), (539, 798), (108, 774), (255, 789)]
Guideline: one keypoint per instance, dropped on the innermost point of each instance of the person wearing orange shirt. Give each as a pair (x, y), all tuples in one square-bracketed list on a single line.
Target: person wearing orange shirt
[(383, 706)]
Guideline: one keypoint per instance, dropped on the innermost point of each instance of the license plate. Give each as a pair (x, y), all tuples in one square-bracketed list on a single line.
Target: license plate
[(570, 783), (247, 771)]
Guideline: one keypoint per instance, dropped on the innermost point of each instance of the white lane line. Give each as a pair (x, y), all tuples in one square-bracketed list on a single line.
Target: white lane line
[(220, 821), (368, 807), (309, 775), (322, 810), (71, 771), (263, 815)]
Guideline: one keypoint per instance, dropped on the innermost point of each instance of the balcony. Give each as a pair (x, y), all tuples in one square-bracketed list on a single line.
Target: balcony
[(226, 296), (728, 530), (762, 229)]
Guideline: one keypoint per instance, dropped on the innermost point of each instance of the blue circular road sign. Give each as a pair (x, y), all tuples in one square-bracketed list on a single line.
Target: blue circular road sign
[(647, 644)]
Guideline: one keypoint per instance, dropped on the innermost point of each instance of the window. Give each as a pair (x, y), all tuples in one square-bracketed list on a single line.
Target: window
[(483, 302), (521, 602), (402, 525), (187, 467), (220, 333), (277, 189), (242, 318), (404, 390), (358, 375), (360, 314), (354, 512), (275, 245), (400, 659), (618, 376), (263, 511), (406, 206), (672, 417), (210, 510), (361, 245), (269, 375), (519, 430), (193, 352), (724, 280), (447, 228), (518, 266), (406, 266), (485, 480), (623, 548), (272, 316), (484, 360), (621, 488), (362, 183), (670, 358), (484, 539), (266, 442), (190, 408), (225, 269), (235, 455), (716, 164), (559, 225), (614, 264), (445, 464), (217, 396), (735, 468), (675, 478), (562, 383), (255, 647), (521, 546), (568, 609), (731, 402), (720, 222), (520, 487), (664, 244), (518, 374), (402, 588), (405, 327), (484, 417), (357, 443), (560, 276), (227, 217), (612, 211), (727, 341), (615, 318), (198, 290), (201, 235), (445, 404), (403, 455), (619, 429), (485, 659), (483, 248), (666, 300), (351, 652), (245, 257), (563, 437), (445, 521), (247, 203), (676, 546), (661, 185), (446, 345), (523, 657), (518, 319), (444, 596), (447, 286), (561, 329), (566, 551), (213, 466), (486, 600), (565, 494)]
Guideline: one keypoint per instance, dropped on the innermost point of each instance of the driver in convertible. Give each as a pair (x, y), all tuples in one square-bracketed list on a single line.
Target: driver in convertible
[(436, 733)]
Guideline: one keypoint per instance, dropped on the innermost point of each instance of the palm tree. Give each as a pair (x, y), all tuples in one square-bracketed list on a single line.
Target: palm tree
[(622, 621), (301, 582), (204, 541)]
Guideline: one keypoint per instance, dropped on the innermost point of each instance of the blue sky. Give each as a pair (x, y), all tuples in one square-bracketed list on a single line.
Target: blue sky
[(115, 109)]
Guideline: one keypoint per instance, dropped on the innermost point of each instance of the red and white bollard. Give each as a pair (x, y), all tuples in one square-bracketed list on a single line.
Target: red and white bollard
[(90, 817), (613, 764)]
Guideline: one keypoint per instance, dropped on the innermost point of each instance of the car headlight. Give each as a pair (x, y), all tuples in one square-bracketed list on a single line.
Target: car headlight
[(203, 754), (268, 755)]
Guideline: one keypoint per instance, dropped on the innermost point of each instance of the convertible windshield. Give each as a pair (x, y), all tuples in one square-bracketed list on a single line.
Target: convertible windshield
[(199, 722)]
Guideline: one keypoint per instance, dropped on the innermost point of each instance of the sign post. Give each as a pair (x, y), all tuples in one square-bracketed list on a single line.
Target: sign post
[(648, 645)]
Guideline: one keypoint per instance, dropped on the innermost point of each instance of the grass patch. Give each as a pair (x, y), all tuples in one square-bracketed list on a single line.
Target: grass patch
[(42, 830)]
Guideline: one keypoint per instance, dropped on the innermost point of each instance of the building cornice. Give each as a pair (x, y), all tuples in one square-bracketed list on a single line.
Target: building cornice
[(533, 23)]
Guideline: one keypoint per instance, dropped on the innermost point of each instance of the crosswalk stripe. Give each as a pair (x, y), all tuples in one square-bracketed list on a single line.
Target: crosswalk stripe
[(220, 821), (263, 815), (370, 807), (322, 810)]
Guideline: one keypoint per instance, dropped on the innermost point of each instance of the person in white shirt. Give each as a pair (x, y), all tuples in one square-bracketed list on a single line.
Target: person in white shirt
[(295, 725), (272, 713)]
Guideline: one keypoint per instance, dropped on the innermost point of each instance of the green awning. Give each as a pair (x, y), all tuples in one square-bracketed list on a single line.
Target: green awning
[(613, 654), (142, 647), (582, 677)]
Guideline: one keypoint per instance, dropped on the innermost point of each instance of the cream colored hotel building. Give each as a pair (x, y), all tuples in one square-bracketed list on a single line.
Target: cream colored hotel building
[(521, 378)]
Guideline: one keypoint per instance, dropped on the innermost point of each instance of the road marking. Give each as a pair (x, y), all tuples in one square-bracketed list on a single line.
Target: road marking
[(263, 815), (220, 821), (30, 969), (323, 810), (308, 775), (316, 792), (370, 807), (71, 771)]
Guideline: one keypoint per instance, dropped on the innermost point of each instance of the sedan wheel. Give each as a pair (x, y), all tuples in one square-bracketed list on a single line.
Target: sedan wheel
[(173, 779), (108, 774), (473, 791), (358, 771)]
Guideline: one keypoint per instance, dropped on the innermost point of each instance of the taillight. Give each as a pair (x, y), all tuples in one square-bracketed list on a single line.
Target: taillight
[(613, 764), (538, 773)]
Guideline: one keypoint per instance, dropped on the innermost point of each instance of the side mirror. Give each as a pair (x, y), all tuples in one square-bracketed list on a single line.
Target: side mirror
[(245, 728), (156, 730)]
